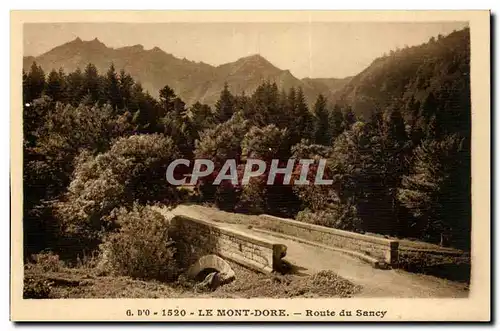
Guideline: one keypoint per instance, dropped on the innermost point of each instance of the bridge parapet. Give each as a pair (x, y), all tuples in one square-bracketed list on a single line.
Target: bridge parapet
[(196, 238), (384, 250)]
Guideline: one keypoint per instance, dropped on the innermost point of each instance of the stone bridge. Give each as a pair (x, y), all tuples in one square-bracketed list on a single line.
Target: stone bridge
[(197, 238), (266, 243)]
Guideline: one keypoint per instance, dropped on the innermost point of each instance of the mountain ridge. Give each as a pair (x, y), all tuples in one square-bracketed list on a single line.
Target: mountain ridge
[(410, 75), (192, 81), (386, 82)]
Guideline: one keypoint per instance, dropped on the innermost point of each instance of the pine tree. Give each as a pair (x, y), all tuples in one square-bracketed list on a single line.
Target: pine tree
[(75, 87), (26, 92), (175, 121), (243, 103), (55, 86), (389, 148), (264, 107), (349, 163), (285, 114), (167, 100), (301, 126), (335, 123), (274, 111), (321, 123), (64, 85), (349, 118), (225, 106), (126, 83), (35, 82), (112, 89), (434, 191), (92, 84), (394, 129), (147, 112), (202, 116)]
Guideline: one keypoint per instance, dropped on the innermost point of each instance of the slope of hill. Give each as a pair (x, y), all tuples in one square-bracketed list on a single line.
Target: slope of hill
[(327, 86), (246, 74), (413, 72), (154, 68)]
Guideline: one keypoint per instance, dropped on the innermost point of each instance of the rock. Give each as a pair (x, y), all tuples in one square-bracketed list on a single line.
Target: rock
[(211, 281), (224, 274)]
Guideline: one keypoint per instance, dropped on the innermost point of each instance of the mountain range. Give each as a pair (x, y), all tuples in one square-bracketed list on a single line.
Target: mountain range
[(192, 81), (395, 79)]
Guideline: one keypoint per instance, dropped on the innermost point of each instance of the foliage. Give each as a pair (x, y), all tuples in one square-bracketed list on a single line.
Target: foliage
[(263, 143), (35, 288), (46, 261), (33, 83), (302, 123), (222, 142), (396, 140), (455, 268), (313, 196), (434, 193), (252, 199), (54, 135), (225, 106), (414, 73), (132, 170), (338, 216), (141, 248), (201, 116), (321, 122)]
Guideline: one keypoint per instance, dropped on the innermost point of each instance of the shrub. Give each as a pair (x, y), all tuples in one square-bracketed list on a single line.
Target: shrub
[(133, 169), (219, 144), (253, 197), (456, 268), (338, 216), (142, 247), (47, 261), (226, 196), (36, 288), (263, 143)]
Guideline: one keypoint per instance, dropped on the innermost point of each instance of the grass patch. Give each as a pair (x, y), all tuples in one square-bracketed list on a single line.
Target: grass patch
[(85, 284), (455, 268), (249, 284), (88, 283)]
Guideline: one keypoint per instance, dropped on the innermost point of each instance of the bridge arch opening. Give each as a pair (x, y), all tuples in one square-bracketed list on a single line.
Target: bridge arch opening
[(208, 264), (204, 273)]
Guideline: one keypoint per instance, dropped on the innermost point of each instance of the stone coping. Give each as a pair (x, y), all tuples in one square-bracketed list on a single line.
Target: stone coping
[(337, 232)]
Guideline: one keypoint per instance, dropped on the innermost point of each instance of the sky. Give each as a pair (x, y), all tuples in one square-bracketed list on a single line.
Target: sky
[(317, 49)]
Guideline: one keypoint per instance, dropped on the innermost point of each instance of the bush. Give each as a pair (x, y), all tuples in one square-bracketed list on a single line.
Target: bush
[(47, 261), (456, 268), (142, 247), (338, 216), (36, 288), (226, 196), (132, 170), (253, 197), (263, 143)]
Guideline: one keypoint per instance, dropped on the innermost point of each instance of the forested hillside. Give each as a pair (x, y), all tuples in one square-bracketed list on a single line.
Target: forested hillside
[(396, 141), (409, 77)]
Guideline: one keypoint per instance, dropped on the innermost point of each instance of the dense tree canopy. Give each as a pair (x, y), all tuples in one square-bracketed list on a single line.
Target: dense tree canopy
[(398, 155)]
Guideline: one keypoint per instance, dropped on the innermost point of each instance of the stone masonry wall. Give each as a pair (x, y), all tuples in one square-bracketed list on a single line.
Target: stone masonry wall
[(196, 238), (382, 249)]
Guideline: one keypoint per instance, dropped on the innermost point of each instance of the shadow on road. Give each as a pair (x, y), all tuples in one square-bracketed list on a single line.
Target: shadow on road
[(290, 268)]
